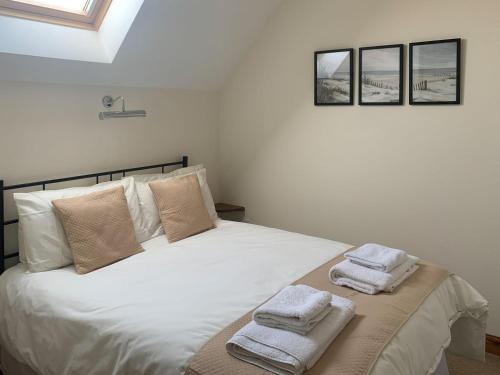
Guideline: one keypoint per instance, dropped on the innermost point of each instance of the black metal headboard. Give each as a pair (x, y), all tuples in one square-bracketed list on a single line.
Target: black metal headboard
[(43, 184)]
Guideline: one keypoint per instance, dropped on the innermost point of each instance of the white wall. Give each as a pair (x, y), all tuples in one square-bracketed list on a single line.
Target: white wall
[(422, 178), (53, 131)]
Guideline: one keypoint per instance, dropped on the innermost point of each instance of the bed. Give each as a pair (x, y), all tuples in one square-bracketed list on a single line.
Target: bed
[(150, 313)]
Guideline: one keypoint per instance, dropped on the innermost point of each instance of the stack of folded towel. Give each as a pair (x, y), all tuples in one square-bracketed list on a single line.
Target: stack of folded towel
[(290, 332), (374, 268), (296, 308)]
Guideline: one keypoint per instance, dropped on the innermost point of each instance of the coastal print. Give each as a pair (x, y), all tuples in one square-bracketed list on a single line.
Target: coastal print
[(334, 77), (435, 76), (380, 75)]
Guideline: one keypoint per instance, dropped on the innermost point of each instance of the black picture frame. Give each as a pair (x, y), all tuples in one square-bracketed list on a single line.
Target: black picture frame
[(411, 88), (400, 79), (317, 99)]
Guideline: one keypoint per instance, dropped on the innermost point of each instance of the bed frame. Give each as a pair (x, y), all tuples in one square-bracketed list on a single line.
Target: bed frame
[(43, 184)]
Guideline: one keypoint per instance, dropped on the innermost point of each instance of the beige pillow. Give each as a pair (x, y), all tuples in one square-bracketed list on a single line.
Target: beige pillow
[(151, 218), (181, 207), (98, 228)]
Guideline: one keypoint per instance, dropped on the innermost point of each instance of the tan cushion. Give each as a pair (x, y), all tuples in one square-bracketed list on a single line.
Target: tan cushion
[(98, 228), (181, 207)]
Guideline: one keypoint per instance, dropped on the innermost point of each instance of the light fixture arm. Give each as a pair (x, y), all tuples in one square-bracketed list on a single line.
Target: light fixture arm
[(108, 102)]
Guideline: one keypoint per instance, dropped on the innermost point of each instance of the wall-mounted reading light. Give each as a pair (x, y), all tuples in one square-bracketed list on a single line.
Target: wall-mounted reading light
[(108, 102)]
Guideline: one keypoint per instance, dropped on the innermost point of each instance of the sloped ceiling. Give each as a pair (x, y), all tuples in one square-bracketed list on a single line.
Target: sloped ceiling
[(190, 44)]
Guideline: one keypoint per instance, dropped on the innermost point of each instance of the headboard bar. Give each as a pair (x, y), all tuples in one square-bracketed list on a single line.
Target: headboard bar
[(2, 231), (44, 183), (90, 175)]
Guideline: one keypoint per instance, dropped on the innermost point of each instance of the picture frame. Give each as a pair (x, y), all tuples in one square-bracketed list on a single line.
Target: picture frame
[(381, 75), (334, 77), (435, 72)]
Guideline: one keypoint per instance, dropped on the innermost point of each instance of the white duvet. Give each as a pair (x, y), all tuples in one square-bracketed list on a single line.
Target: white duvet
[(150, 313)]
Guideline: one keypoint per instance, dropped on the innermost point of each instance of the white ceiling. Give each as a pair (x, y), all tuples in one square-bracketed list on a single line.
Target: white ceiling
[(191, 44)]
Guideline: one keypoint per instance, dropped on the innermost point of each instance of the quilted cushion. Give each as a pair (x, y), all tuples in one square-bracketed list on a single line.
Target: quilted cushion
[(151, 218), (98, 228), (181, 207)]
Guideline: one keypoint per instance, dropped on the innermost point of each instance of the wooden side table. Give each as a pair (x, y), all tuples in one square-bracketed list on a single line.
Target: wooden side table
[(230, 211)]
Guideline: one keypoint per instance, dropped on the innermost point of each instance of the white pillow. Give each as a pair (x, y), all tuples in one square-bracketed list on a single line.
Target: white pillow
[(43, 242), (151, 217), (20, 244)]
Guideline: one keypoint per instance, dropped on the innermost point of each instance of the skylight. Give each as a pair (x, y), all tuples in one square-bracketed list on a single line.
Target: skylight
[(73, 6), (86, 14), (95, 39)]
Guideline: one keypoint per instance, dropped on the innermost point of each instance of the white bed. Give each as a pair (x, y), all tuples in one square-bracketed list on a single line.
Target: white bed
[(150, 313)]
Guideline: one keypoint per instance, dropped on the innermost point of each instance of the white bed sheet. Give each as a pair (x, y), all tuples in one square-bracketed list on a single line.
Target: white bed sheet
[(150, 313)]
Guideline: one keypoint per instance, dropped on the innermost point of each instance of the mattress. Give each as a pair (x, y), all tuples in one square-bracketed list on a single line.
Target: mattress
[(150, 313)]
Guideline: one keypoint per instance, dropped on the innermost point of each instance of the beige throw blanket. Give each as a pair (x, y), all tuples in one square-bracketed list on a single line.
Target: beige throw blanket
[(355, 351)]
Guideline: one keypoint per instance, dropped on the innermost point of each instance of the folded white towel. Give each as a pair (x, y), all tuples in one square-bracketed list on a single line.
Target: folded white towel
[(284, 352), (378, 257), (371, 281), (297, 308)]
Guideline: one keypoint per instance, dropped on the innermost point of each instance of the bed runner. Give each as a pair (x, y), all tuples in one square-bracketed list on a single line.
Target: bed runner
[(355, 351)]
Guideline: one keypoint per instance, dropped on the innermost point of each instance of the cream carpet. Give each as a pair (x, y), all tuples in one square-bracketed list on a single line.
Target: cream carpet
[(461, 366)]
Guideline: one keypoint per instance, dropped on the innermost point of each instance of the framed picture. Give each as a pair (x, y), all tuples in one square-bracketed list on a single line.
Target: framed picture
[(333, 77), (381, 75), (435, 72)]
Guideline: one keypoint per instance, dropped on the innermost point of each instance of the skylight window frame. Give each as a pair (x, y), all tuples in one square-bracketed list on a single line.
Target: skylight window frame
[(30, 10)]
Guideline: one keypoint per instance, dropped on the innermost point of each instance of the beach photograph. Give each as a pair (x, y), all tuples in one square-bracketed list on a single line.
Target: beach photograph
[(434, 75), (380, 75), (334, 77)]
